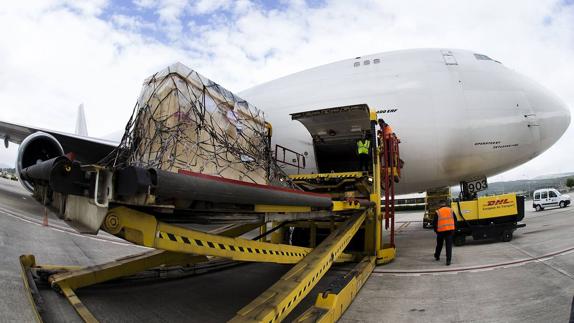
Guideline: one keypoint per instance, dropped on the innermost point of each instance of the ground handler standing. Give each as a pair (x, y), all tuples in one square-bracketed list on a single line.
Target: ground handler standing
[(363, 150), (444, 224)]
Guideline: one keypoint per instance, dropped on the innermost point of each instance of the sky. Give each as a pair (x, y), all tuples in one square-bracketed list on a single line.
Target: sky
[(56, 54)]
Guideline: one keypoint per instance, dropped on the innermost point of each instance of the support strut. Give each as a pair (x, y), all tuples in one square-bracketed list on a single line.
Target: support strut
[(281, 298)]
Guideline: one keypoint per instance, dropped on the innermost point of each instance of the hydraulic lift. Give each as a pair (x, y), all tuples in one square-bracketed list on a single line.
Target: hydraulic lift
[(335, 216)]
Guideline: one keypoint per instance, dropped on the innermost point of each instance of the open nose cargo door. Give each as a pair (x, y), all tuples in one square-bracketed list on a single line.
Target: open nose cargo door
[(335, 132)]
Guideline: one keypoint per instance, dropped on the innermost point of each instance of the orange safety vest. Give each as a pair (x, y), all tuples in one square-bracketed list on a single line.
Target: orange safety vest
[(388, 131), (445, 219)]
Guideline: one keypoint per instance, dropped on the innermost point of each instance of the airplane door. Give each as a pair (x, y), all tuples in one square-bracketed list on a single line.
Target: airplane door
[(335, 132)]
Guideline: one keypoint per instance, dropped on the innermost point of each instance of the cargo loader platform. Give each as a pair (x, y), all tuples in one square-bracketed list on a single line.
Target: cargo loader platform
[(323, 219)]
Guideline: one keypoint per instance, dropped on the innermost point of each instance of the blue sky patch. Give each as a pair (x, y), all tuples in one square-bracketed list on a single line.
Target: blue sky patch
[(154, 28)]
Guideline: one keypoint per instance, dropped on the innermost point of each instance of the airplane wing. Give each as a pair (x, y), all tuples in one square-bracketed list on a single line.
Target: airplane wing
[(85, 148)]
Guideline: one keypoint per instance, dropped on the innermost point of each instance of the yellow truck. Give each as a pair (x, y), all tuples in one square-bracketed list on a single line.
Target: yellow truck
[(488, 217)]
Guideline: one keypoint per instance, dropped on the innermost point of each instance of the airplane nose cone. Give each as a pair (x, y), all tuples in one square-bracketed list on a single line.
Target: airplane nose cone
[(552, 114), (555, 119), (564, 118)]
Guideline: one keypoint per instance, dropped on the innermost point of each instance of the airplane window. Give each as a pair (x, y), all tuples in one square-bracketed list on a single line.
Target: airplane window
[(356, 64), (367, 62), (481, 57), (544, 195), (376, 61), (552, 194), (537, 196)]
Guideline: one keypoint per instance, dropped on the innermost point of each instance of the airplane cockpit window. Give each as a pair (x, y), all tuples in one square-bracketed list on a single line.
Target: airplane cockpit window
[(481, 57), (376, 61), (357, 64), (367, 62)]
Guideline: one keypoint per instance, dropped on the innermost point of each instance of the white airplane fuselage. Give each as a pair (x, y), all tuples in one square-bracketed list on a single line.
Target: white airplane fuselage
[(459, 115)]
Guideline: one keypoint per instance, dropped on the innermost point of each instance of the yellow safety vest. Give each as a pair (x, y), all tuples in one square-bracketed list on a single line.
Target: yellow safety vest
[(363, 146)]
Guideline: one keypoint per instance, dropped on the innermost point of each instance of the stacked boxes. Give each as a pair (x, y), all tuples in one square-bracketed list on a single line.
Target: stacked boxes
[(184, 121)]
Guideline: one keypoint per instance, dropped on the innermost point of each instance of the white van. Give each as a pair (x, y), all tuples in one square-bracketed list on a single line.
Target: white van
[(549, 197)]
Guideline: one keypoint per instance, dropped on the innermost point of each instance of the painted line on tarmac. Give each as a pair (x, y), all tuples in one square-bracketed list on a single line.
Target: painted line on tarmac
[(546, 212), (558, 269), (402, 226), (28, 219), (474, 269), (23, 218)]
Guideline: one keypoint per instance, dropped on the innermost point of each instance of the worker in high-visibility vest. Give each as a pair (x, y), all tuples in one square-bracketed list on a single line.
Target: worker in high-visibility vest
[(363, 150), (386, 129), (444, 224), (385, 135)]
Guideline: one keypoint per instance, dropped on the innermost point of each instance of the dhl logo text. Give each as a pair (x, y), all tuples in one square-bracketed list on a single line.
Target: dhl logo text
[(498, 202)]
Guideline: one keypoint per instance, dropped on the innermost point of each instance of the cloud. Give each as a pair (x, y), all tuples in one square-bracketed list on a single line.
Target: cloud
[(56, 58), (61, 53), (203, 7)]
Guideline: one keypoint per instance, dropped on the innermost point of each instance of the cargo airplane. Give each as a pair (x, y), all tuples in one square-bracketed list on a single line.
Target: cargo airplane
[(459, 115)]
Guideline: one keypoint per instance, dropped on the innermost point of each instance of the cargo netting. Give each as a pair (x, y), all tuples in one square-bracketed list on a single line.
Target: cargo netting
[(184, 121)]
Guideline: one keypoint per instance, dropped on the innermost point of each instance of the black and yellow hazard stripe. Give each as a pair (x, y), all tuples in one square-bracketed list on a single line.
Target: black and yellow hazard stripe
[(327, 175), (144, 229), (280, 299), (256, 248)]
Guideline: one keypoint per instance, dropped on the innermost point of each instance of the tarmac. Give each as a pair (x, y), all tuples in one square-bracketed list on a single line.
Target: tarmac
[(528, 279)]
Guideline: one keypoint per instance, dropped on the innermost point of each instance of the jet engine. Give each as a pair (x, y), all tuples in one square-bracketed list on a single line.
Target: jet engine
[(35, 148)]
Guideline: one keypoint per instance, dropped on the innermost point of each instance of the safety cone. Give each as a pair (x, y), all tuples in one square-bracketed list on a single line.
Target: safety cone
[(45, 221)]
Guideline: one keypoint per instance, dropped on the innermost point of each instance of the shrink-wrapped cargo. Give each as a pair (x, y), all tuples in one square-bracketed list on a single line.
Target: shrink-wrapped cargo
[(184, 121)]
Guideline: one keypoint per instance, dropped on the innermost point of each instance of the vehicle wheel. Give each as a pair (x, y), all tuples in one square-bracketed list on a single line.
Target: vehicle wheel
[(538, 208), (506, 236), (459, 240), (562, 204)]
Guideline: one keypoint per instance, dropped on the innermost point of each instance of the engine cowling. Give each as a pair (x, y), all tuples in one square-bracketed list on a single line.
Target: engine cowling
[(35, 148)]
